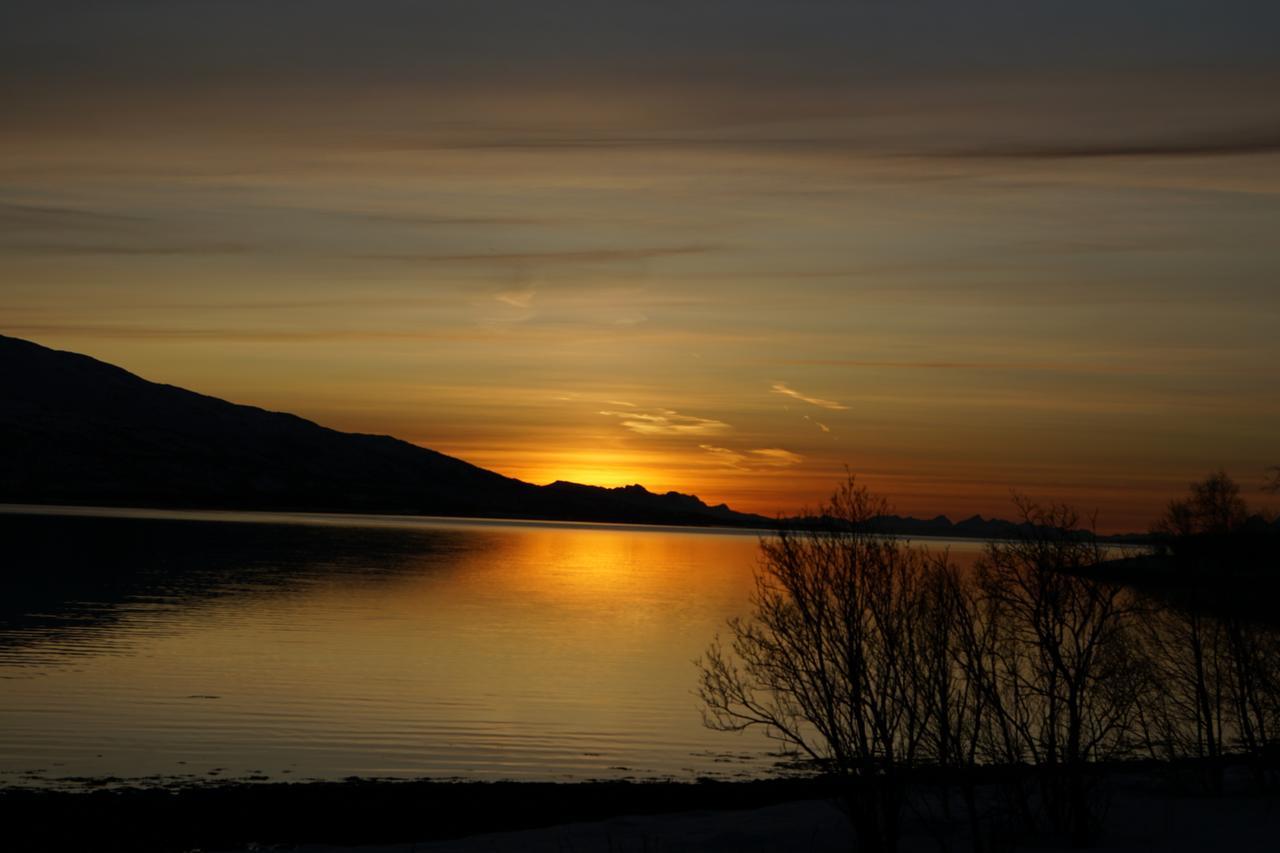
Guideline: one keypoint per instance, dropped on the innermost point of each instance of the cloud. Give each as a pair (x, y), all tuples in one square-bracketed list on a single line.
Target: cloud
[(1210, 144), (429, 220), (780, 388), (126, 250), (586, 256), (986, 366), (32, 216), (362, 301), (819, 424), (754, 460), (521, 298), (731, 458), (1224, 144), (668, 422), (236, 335), (775, 457)]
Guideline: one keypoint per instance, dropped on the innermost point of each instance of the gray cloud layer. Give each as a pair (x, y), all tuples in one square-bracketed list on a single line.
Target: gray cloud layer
[(506, 37), (998, 79)]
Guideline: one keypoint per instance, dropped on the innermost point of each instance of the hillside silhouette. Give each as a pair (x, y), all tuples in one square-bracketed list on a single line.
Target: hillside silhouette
[(78, 431), (75, 430)]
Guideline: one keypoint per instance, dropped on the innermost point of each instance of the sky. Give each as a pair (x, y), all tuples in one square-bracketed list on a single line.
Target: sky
[(726, 248)]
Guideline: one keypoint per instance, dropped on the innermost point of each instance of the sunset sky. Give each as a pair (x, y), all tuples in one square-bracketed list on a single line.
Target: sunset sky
[(727, 248)]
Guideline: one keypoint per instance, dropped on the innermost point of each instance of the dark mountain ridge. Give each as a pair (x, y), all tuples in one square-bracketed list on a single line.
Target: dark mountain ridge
[(78, 431), (75, 430)]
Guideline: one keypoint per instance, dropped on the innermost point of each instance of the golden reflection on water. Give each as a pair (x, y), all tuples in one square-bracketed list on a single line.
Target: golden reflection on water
[(439, 649)]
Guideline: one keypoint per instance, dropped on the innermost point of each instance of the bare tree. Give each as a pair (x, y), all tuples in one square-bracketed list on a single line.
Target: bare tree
[(1253, 685), (1219, 688), (829, 662), (955, 648), (1219, 672), (1063, 679), (1189, 716), (1213, 507), (875, 660)]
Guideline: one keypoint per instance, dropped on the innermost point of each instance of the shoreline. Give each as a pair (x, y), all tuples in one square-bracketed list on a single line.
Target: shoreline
[(235, 815), (1155, 805), (409, 521)]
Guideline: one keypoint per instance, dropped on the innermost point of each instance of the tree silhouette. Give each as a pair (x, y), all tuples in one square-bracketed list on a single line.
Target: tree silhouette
[(902, 677), (833, 661), (1065, 683), (1213, 507)]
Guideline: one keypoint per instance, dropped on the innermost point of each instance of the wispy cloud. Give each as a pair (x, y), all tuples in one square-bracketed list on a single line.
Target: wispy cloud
[(520, 298), (31, 216), (361, 301), (668, 422), (1209, 143), (780, 388), (819, 424), (239, 335), (775, 457), (586, 256), (429, 220), (731, 458), (984, 366), (127, 250), (753, 460), (1221, 144)]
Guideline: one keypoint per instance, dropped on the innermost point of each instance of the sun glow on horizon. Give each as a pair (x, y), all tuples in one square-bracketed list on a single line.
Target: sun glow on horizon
[(607, 469), (615, 257)]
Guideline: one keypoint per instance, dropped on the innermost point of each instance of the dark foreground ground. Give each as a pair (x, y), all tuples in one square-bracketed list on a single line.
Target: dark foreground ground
[(240, 816), (1146, 811)]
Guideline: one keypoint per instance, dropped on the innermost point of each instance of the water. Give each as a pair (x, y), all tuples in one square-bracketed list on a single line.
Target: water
[(205, 645)]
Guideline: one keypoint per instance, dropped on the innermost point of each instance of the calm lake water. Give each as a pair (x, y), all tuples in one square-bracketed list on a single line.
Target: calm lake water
[(207, 645)]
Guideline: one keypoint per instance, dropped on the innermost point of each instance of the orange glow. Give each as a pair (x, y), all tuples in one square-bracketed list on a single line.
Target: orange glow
[(955, 286), (598, 469)]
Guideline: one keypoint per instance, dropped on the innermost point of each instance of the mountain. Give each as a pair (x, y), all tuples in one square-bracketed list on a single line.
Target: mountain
[(75, 430), (977, 528)]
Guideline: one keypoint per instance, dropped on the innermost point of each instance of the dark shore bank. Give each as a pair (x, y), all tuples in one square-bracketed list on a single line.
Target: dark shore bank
[(1152, 806), (236, 816)]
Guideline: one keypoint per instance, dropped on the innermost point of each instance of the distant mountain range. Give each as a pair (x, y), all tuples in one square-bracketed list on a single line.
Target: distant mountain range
[(75, 430)]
